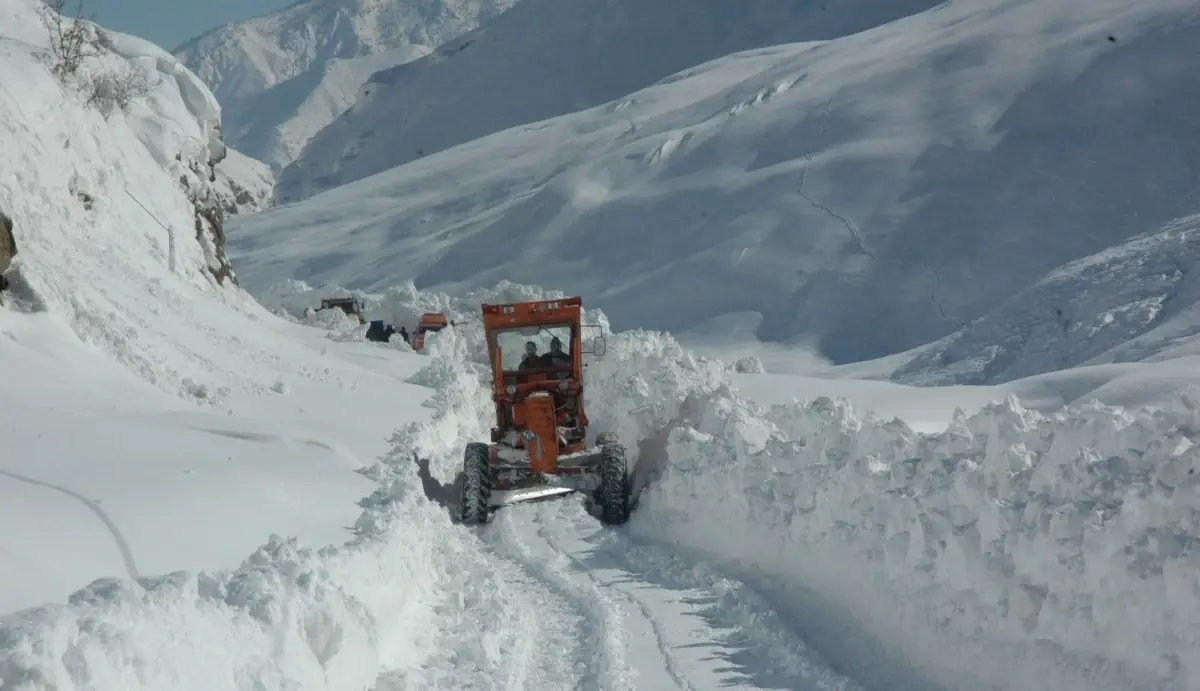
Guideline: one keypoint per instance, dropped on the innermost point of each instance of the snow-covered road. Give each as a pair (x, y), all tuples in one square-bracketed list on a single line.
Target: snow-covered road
[(565, 603)]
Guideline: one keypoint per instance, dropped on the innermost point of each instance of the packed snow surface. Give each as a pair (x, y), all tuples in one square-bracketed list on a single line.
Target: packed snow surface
[(283, 76), (864, 195)]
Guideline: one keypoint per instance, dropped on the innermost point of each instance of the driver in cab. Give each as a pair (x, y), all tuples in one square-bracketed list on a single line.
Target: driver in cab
[(557, 357)]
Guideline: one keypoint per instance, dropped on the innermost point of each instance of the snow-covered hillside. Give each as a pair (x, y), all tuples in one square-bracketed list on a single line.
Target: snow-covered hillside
[(282, 77), (155, 417), (869, 194), (1137, 301), (548, 58), (199, 495)]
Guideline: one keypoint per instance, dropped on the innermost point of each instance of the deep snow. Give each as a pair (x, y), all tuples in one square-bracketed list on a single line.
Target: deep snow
[(1008, 549), (864, 195)]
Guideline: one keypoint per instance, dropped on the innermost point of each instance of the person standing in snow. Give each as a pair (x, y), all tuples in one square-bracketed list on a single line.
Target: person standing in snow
[(404, 334)]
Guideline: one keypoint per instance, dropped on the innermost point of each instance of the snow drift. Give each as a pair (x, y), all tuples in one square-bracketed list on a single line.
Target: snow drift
[(868, 194), (1040, 550), (283, 76)]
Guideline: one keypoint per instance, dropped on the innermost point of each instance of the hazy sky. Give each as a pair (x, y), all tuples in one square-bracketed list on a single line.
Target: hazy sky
[(171, 22)]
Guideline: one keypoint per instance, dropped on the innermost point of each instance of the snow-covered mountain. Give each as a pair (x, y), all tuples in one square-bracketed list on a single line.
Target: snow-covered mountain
[(200, 495), (282, 77), (868, 194), (1137, 301), (547, 58)]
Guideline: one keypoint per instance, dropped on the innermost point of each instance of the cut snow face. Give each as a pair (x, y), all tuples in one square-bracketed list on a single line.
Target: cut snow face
[(284, 76), (864, 195)]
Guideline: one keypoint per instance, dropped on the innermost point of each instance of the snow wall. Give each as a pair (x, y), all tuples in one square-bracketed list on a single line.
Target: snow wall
[(1011, 536)]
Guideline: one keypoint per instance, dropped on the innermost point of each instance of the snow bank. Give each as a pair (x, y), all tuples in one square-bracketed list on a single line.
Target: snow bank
[(1061, 543), (289, 617), (1064, 541), (300, 618), (1011, 535)]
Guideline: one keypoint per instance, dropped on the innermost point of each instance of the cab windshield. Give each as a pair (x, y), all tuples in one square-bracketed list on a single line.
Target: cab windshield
[(535, 347)]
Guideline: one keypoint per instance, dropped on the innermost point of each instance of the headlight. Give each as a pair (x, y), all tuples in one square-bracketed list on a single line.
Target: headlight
[(564, 385), (511, 389)]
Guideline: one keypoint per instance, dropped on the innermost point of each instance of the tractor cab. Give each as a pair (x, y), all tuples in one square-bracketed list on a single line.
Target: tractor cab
[(430, 321), (528, 366)]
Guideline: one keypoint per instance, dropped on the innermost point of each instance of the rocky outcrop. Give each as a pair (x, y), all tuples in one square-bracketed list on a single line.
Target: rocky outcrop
[(8, 247), (209, 206)]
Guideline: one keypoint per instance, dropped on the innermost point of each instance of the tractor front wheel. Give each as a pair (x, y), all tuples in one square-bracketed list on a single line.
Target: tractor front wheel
[(476, 485), (614, 485)]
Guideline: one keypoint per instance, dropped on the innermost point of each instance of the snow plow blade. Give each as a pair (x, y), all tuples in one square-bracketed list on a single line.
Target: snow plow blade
[(500, 497)]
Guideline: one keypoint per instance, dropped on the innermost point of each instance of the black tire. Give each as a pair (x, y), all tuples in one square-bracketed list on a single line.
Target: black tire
[(613, 493), (476, 485)]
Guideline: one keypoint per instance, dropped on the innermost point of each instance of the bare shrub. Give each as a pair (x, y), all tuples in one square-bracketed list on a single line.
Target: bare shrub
[(110, 91), (71, 39)]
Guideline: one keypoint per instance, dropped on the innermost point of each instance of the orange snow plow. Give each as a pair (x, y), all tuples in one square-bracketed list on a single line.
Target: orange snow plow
[(539, 447), (430, 321)]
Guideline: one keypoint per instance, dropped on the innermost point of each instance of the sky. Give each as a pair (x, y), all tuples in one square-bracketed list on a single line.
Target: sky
[(170, 23)]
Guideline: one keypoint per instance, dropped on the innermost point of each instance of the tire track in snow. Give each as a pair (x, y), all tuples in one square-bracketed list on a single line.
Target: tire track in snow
[(768, 649), (670, 664), (607, 667), (494, 621), (709, 631)]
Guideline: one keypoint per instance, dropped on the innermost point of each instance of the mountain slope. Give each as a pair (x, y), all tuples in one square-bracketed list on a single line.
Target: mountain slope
[(1137, 301), (281, 77), (869, 194), (155, 417), (550, 57)]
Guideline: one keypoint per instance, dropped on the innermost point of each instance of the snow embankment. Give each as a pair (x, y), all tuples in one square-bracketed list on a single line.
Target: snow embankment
[(388, 602), (1013, 551), (1065, 541), (1011, 535), (290, 617)]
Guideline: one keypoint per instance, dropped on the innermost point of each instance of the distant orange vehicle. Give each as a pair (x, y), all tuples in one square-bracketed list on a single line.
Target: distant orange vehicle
[(430, 321), (539, 447)]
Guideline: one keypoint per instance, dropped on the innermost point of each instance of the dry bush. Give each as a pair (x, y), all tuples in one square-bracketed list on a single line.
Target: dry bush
[(109, 91), (71, 39)]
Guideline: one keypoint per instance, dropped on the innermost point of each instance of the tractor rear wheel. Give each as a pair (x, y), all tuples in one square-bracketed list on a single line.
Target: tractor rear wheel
[(614, 485), (476, 485)]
